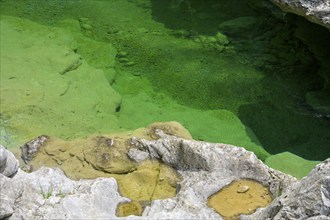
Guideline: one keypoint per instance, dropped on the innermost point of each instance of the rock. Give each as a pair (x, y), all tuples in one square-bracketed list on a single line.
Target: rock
[(137, 155), (315, 11), (216, 165), (49, 194), (8, 194), (122, 54), (3, 156), (243, 189), (204, 164), (30, 148), (219, 42), (123, 60), (86, 26), (8, 163), (130, 63), (238, 25), (205, 168), (106, 156), (309, 197)]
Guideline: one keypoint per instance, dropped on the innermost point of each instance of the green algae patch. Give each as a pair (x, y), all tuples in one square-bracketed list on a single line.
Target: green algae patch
[(254, 67), (106, 156), (291, 164), (240, 197), (46, 87), (219, 126)]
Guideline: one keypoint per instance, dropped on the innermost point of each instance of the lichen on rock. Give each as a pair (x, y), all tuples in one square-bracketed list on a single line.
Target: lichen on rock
[(106, 156)]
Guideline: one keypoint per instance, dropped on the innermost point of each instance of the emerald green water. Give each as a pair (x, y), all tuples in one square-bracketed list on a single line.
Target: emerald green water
[(237, 72)]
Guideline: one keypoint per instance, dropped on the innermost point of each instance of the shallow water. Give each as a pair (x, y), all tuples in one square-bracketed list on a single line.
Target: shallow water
[(251, 85)]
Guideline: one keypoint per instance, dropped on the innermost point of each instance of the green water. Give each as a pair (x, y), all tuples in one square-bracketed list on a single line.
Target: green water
[(238, 72)]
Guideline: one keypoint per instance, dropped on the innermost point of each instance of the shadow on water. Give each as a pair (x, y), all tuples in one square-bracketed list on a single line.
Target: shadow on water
[(297, 118), (198, 16), (280, 106)]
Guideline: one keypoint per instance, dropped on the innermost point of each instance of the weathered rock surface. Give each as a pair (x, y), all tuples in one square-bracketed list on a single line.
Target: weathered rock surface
[(106, 156), (8, 163), (308, 198), (205, 168), (49, 194), (315, 11)]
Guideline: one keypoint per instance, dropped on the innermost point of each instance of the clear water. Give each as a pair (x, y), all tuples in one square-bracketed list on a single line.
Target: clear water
[(238, 72)]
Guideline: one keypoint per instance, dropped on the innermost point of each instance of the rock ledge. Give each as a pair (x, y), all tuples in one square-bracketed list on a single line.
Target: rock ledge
[(315, 11), (205, 168)]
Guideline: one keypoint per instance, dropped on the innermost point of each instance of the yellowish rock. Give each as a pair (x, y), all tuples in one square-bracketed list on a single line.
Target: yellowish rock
[(106, 156)]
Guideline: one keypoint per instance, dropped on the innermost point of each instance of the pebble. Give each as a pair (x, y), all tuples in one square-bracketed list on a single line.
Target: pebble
[(137, 73), (243, 189), (122, 54), (123, 60), (130, 63), (86, 26)]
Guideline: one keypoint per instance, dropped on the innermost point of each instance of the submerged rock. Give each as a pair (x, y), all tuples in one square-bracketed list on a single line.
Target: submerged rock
[(30, 148), (238, 26), (51, 78)]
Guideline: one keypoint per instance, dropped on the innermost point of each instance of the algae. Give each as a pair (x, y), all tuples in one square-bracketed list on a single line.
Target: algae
[(291, 164), (259, 83), (46, 88)]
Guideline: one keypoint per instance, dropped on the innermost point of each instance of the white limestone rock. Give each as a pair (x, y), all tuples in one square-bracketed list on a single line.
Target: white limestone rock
[(8, 194), (308, 198), (317, 11), (49, 194), (8, 163), (205, 169)]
